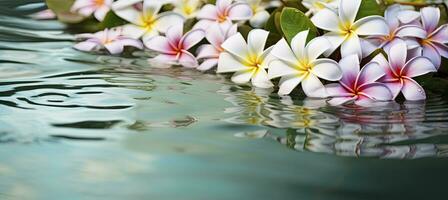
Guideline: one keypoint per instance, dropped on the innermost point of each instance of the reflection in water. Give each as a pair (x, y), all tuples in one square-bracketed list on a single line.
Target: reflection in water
[(408, 130)]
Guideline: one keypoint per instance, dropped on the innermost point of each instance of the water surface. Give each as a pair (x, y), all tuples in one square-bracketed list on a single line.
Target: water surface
[(89, 126)]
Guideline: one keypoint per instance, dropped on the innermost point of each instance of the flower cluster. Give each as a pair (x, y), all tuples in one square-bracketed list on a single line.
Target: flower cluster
[(404, 43)]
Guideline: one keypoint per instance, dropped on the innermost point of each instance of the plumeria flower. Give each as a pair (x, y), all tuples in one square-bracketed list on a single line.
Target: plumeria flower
[(216, 35), (358, 85), (399, 72), (260, 15), (146, 23), (187, 8), (300, 64), (433, 43), (249, 60), (315, 6), (224, 12), (344, 31), (110, 39), (399, 29), (99, 8), (173, 47)]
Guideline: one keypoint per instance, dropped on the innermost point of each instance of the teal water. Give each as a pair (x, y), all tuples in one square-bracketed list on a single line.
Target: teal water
[(86, 126)]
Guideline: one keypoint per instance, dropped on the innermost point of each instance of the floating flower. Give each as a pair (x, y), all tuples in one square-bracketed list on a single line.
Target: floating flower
[(99, 8), (224, 12), (399, 72), (399, 30), (300, 64), (315, 6), (110, 39), (344, 31), (249, 60), (187, 8), (358, 85), (260, 15), (216, 35), (433, 44), (148, 22), (173, 47)]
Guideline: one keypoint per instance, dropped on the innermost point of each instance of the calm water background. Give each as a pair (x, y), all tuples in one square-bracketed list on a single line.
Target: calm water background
[(84, 126)]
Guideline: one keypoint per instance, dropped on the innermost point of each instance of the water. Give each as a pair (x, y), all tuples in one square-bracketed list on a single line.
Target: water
[(84, 126)]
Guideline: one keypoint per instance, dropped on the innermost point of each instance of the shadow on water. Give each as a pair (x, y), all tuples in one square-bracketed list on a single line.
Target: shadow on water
[(88, 126)]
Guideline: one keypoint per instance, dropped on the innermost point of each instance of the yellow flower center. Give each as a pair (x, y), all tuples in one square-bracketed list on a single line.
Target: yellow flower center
[(98, 2), (188, 10), (149, 23)]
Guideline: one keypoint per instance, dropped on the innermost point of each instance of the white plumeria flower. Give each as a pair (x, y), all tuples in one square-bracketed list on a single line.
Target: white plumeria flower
[(187, 8), (315, 6), (344, 31), (300, 64), (249, 60), (260, 15), (112, 40), (146, 23), (99, 8)]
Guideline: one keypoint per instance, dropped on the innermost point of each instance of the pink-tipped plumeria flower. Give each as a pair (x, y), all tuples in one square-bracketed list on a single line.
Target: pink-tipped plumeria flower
[(315, 6), (173, 47), (224, 12), (399, 72), (187, 8), (404, 29), (358, 85), (99, 8), (433, 43), (248, 60), (260, 15), (299, 63), (146, 23), (110, 39), (344, 31), (216, 35)]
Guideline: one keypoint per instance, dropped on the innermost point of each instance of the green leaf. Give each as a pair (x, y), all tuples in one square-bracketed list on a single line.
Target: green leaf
[(294, 21), (368, 8), (244, 30), (62, 11), (273, 21), (112, 20)]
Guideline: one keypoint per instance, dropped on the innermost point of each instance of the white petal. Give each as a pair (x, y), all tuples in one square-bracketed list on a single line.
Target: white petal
[(130, 14), (352, 45), (121, 4), (228, 63), (370, 73), (418, 66), (101, 13), (209, 12), (298, 44), (288, 83), (259, 19), (239, 11), (133, 31), (371, 25), (430, 18), (261, 80), (192, 38), (326, 19), (336, 39), (348, 10), (408, 16), (241, 77), (237, 46), (160, 44), (208, 64), (188, 60), (257, 40), (114, 47), (397, 56), (317, 47), (350, 68), (412, 90), (411, 31), (167, 19), (151, 8), (283, 52), (327, 69), (376, 91), (337, 90), (278, 68), (207, 51), (85, 46), (312, 87)]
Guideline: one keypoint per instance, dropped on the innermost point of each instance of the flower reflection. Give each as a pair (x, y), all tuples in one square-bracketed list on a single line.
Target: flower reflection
[(408, 130)]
